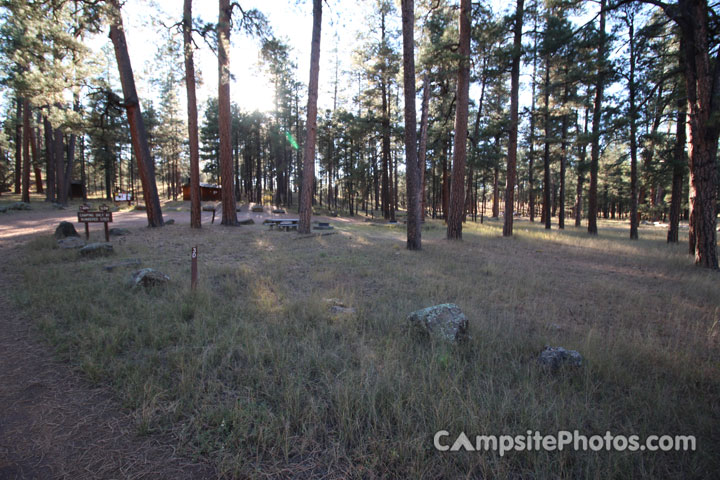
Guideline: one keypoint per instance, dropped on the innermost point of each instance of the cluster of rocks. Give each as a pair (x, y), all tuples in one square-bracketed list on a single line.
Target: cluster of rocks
[(448, 323), (15, 206), (67, 237)]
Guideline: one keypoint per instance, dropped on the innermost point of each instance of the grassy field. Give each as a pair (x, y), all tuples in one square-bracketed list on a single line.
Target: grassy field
[(254, 373)]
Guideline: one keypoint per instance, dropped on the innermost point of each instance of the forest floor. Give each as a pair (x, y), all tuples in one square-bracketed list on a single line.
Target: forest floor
[(255, 375)]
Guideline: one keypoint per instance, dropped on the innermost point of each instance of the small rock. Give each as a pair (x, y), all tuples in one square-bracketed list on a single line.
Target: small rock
[(169, 221), (71, 242), (130, 262), (257, 208), (337, 307), (555, 357), (147, 277), (278, 210), (20, 206), (65, 229), (97, 250), (57, 206), (445, 321), (118, 232), (247, 221)]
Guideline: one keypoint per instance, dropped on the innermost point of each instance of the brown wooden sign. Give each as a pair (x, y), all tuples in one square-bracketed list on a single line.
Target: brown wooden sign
[(104, 215), (94, 217)]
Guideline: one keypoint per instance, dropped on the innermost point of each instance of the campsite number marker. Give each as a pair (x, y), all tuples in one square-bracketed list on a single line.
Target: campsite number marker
[(193, 269)]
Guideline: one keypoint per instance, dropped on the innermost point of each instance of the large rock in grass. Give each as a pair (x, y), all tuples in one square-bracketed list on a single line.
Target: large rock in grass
[(71, 242), (446, 322), (65, 229), (147, 278), (100, 249), (556, 357)]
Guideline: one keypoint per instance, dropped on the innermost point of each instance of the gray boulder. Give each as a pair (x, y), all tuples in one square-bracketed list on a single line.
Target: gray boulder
[(71, 242), (445, 321), (169, 221), (100, 249), (118, 232), (257, 209), (555, 357), (147, 278), (65, 229), (246, 221), (20, 206)]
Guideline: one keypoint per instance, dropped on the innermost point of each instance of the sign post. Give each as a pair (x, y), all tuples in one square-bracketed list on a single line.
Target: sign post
[(104, 215), (193, 269)]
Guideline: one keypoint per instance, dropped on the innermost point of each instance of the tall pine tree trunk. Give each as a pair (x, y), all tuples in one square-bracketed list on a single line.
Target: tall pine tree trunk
[(26, 151), (18, 144), (547, 209), (423, 141), (531, 153), (700, 83), (308, 174), (597, 114), (511, 176), (138, 134), (679, 162), (457, 189), (195, 210), (633, 133), (59, 154), (229, 213), (50, 193), (414, 206)]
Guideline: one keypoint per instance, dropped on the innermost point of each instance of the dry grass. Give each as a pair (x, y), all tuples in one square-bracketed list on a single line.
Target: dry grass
[(254, 372)]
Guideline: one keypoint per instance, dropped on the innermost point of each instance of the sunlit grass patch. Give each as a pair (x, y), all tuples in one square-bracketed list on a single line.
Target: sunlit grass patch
[(255, 371)]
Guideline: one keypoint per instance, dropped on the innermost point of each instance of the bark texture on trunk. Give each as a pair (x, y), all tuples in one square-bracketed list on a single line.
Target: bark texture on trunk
[(308, 174), (510, 179), (700, 81), (229, 213), (195, 210), (138, 134), (457, 189), (414, 206)]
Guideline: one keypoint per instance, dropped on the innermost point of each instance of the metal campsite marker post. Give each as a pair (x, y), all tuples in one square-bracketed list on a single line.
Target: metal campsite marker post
[(193, 269)]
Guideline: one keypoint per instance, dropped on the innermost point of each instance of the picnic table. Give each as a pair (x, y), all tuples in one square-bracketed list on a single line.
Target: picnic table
[(286, 224)]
